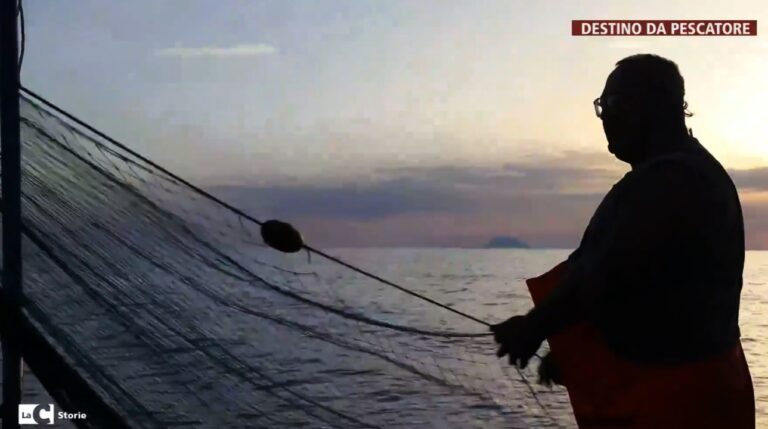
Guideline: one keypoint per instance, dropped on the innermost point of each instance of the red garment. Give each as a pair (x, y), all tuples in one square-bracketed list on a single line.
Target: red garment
[(609, 392)]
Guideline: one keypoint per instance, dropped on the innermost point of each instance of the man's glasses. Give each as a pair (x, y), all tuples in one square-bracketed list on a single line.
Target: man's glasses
[(598, 104), (602, 103), (610, 102)]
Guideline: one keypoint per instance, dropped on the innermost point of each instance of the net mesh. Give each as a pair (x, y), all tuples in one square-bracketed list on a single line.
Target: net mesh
[(173, 307)]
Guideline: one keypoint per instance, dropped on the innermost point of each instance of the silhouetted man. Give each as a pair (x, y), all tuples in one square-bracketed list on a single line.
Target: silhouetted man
[(658, 272)]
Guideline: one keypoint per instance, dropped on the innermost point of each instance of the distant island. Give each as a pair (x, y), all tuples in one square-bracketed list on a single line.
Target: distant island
[(506, 242)]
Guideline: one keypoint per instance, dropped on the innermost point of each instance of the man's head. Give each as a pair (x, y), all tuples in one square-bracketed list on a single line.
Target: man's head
[(643, 96)]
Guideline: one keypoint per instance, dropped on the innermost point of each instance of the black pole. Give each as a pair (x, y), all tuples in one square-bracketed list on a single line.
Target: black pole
[(11, 206)]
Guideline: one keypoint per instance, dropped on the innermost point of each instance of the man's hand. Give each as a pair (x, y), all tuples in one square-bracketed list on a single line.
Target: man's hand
[(518, 339), (549, 372)]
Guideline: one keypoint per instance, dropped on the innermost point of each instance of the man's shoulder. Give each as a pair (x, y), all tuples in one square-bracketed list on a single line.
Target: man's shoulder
[(686, 170), (674, 183), (667, 174)]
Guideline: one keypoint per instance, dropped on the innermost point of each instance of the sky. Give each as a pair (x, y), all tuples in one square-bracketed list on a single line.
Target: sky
[(397, 122)]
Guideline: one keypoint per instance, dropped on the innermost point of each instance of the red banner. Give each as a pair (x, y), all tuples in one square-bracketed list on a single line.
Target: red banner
[(664, 27)]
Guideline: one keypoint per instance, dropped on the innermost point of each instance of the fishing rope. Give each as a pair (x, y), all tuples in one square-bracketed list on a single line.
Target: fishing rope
[(249, 273), (241, 214)]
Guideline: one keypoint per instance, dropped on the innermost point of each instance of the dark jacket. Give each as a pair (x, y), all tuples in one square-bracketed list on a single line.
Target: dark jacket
[(667, 243)]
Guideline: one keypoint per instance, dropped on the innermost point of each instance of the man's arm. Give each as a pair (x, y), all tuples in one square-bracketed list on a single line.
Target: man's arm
[(658, 205), (566, 304)]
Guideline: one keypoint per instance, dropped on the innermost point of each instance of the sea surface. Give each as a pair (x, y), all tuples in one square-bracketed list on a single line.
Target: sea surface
[(489, 284)]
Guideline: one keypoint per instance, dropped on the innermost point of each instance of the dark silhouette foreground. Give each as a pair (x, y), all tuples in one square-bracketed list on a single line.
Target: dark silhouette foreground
[(642, 318)]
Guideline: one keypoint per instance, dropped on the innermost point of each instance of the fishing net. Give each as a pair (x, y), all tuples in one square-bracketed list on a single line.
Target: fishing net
[(170, 304)]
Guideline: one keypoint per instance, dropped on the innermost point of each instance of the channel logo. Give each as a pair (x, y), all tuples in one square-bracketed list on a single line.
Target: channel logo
[(35, 414)]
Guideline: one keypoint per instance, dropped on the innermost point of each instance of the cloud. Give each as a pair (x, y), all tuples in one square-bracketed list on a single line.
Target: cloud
[(546, 202), (245, 50), (446, 205), (428, 189), (753, 179)]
